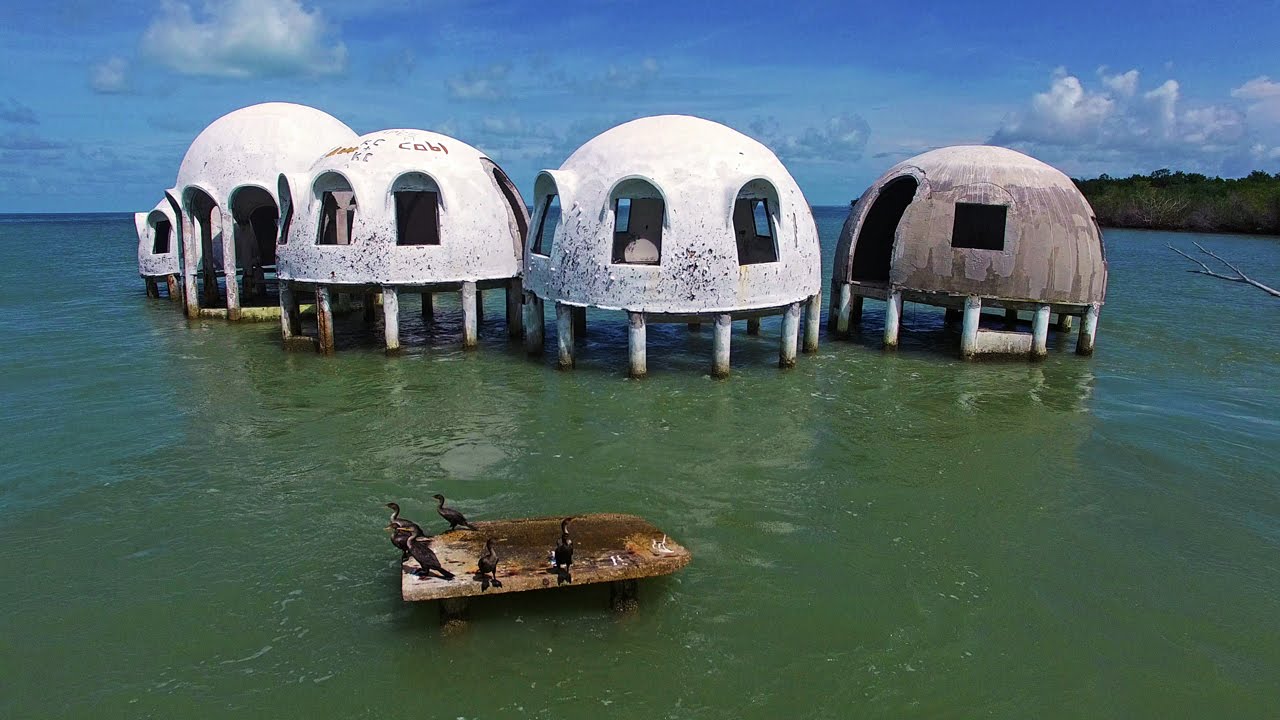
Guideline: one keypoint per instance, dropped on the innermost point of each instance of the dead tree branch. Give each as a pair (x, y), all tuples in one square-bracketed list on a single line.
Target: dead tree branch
[(1238, 277)]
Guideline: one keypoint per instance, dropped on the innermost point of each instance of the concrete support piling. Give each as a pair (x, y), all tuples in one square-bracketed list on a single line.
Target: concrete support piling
[(1088, 329), (952, 316), (790, 336), (366, 307), (172, 282), (844, 309), (515, 308), (720, 344), (636, 345), (533, 324), (153, 288), (1040, 333), (290, 321), (228, 236), (189, 261), (324, 320), (469, 316), (479, 305), (833, 317), (855, 311), (428, 306), (753, 326), (1064, 323), (624, 596), (969, 330), (812, 320), (892, 319), (1010, 319), (390, 316), (564, 335), (579, 323)]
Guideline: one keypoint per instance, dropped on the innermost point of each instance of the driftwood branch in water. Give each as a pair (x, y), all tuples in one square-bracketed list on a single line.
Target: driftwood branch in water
[(1238, 277)]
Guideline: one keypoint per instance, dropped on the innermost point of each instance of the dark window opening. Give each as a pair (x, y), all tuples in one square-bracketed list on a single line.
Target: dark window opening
[(263, 221), (288, 222), (338, 214), (978, 226), (874, 248), (639, 240), (417, 217), (547, 225), (160, 246), (753, 231)]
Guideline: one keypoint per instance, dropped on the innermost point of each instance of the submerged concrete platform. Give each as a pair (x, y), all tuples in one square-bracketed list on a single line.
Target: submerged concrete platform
[(607, 547)]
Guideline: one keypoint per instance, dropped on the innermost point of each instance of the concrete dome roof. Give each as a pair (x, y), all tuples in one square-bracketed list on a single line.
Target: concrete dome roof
[(253, 145), (1050, 248), (152, 264), (480, 217), (698, 169)]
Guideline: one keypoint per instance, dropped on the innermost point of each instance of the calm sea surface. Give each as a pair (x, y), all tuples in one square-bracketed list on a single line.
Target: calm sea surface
[(191, 519)]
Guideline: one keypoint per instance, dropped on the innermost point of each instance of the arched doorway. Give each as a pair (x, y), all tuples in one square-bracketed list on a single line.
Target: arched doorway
[(874, 248), (255, 214), (206, 221)]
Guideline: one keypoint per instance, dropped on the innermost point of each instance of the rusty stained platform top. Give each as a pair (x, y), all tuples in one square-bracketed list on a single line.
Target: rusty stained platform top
[(606, 547)]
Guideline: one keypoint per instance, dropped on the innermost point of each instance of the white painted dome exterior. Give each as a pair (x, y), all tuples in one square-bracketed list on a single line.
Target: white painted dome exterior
[(699, 167), (480, 228), (253, 145), (1052, 246), (152, 264)]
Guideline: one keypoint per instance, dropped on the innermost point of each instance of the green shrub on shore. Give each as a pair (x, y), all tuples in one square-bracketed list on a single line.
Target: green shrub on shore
[(1166, 200)]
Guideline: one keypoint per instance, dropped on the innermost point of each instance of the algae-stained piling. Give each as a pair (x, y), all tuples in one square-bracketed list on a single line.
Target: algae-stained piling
[(607, 548)]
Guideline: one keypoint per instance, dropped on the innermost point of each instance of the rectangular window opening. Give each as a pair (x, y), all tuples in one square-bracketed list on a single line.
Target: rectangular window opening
[(338, 214), (979, 226), (547, 226), (753, 231), (417, 217), (161, 244), (639, 240)]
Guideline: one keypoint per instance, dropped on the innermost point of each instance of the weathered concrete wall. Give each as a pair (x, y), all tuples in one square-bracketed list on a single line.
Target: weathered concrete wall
[(152, 264), (699, 168), (1053, 249), (480, 230)]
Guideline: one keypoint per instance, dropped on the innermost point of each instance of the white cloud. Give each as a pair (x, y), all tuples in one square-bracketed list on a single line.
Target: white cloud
[(1262, 95), (110, 76), (244, 38), (839, 139)]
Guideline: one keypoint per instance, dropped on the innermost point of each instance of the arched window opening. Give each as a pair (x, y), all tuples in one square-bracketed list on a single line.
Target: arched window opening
[(337, 210), (417, 199), (638, 215), (874, 249), (754, 232), (548, 223), (160, 244)]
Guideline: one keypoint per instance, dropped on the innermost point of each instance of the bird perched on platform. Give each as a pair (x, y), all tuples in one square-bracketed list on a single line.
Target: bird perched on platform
[(420, 549), (563, 554), (488, 566), (453, 517), (401, 530)]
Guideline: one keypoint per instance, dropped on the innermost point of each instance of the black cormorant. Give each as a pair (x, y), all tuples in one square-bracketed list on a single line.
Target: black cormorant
[(420, 549), (563, 554), (488, 566), (401, 530), (453, 517)]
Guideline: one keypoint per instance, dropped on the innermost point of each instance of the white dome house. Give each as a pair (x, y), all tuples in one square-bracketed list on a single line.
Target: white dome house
[(400, 210), (672, 219), (226, 189), (158, 248), (967, 226)]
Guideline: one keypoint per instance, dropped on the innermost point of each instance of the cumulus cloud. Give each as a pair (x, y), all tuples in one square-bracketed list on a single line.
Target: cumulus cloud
[(244, 38), (841, 138), (110, 76), (12, 111), (1262, 98)]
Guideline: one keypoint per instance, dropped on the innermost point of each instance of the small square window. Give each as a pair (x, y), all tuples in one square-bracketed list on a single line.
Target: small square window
[(637, 231), (978, 226), (753, 230)]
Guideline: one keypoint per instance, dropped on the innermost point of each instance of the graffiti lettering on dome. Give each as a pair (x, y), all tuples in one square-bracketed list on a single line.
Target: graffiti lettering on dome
[(424, 147)]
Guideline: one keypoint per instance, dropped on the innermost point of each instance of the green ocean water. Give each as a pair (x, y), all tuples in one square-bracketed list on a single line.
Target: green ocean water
[(191, 519)]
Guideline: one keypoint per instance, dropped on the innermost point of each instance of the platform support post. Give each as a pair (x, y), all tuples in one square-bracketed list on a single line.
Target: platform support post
[(812, 320), (1010, 319), (390, 317), (469, 317), (790, 335), (579, 323), (636, 341), (564, 335), (534, 321), (153, 288), (969, 330), (1040, 333), (454, 613), (428, 306), (290, 321), (1088, 330), (324, 319), (952, 316), (515, 309), (892, 319), (720, 346), (753, 326), (172, 282), (844, 309), (1064, 323), (624, 595), (479, 306)]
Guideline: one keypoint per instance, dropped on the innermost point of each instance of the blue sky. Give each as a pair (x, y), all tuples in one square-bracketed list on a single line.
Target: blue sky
[(100, 100)]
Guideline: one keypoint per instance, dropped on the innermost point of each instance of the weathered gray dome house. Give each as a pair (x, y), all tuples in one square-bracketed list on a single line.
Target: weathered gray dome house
[(672, 219), (399, 210), (971, 226), (159, 240), (226, 190)]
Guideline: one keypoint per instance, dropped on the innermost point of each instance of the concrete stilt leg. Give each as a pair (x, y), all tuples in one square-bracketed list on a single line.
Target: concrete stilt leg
[(969, 330), (1040, 333), (324, 319), (579, 323), (366, 307), (892, 319), (533, 324), (190, 261), (833, 317), (844, 309), (288, 310), (720, 344), (636, 341), (952, 316), (1064, 323), (469, 318), (855, 311), (172, 282), (515, 309), (390, 317), (812, 318), (624, 595), (1088, 329), (479, 306), (790, 336), (229, 268), (454, 613), (153, 288), (1010, 319), (564, 335), (753, 326), (428, 306)]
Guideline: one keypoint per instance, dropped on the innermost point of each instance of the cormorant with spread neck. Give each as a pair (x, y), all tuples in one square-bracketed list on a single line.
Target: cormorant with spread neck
[(453, 517), (488, 566), (401, 530), (420, 549), (563, 554)]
